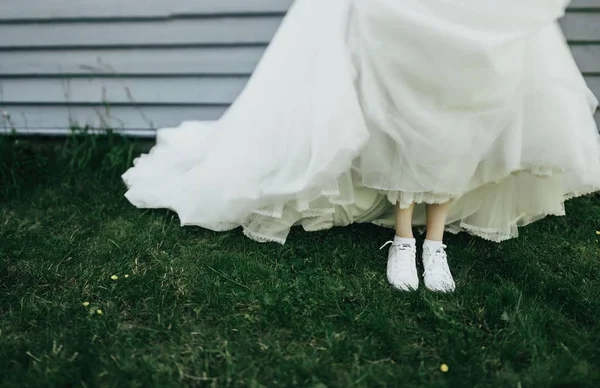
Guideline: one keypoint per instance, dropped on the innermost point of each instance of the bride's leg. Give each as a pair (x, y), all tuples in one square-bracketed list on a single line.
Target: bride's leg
[(436, 221), (437, 273), (404, 221), (401, 265)]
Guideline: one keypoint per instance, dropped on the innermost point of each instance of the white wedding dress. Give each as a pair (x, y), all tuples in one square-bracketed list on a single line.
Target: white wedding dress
[(360, 104)]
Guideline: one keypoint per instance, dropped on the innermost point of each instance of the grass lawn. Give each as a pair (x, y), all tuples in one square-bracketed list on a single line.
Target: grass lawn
[(195, 308)]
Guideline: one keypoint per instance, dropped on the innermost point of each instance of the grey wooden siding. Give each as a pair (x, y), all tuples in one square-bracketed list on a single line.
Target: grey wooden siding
[(141, 64)]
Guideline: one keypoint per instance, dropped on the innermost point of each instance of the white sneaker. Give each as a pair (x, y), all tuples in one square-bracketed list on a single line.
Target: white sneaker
[(402, 266), (437, 274)]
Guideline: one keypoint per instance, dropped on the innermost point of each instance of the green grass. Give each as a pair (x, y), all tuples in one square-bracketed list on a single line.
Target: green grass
[(206, 309)]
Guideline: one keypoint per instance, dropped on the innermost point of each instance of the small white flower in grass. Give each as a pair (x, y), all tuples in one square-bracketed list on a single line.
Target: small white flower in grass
[(126, 276), (99, 312), (85, 304), (114, 277), (444, 368)]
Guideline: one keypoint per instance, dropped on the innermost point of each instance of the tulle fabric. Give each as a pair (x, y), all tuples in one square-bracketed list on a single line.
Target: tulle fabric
[(361, 104)]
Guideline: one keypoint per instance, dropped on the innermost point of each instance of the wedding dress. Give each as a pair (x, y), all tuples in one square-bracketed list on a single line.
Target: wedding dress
[(361, 104)]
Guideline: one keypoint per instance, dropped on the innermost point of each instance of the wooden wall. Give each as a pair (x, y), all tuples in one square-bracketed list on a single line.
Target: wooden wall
[(142, 64)]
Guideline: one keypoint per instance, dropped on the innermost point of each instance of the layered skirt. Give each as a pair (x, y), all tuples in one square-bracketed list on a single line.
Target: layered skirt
[(359, 105)]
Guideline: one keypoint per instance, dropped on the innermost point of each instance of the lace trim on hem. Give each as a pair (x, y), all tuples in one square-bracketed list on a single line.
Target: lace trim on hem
[(267, 213), (494, 235), (318, 213), (394, 197), (437, 198), (261, 238), (489, 234), (430, 198), (576, 194), (341, 202)]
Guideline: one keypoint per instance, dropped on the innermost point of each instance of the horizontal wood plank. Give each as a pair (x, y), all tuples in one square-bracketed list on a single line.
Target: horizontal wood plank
[(587, 57), (157, 90), (94, 9), (585, 4), (594, 84), (60, 117), (581, 26), (82, 9), (247, 30), (203, 60)]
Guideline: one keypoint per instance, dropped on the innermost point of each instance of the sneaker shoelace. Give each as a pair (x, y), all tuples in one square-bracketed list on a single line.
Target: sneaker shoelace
[(402, 246), (437, 257)]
